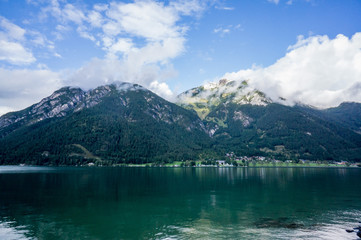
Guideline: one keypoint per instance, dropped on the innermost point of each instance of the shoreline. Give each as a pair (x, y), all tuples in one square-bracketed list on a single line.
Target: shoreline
[(149, 166)]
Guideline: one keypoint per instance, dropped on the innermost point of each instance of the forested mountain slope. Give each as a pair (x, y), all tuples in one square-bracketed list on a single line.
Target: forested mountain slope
[(127, 124)]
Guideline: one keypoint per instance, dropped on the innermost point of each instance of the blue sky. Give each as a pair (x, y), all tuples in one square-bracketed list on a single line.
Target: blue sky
[(171, 46)]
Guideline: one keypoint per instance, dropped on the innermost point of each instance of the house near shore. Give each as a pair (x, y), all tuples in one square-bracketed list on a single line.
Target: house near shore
[(342, 163), (221, 162)]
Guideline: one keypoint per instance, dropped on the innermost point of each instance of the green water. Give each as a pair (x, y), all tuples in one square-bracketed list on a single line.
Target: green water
[(179, 203)]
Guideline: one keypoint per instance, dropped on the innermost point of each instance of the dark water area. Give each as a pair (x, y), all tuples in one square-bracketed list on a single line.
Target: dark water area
[(179, 203)]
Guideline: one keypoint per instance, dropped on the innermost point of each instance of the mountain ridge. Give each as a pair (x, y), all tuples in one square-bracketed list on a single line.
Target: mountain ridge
[(126, 123)]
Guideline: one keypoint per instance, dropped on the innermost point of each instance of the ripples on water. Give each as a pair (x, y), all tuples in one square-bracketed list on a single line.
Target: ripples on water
[(330, 231), (8, 232), (178, 203)]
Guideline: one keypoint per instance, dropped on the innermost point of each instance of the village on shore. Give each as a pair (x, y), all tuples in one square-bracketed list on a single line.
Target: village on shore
[(231, 160)]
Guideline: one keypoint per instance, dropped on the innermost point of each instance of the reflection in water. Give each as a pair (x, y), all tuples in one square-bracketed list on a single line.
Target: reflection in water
[(181, 203), (7, 231)]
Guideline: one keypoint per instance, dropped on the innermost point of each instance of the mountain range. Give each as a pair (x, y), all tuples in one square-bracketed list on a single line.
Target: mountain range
[(126, 123)]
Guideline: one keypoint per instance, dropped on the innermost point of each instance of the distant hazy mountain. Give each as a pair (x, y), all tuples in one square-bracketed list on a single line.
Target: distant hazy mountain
[(126, 123), (347, 114)]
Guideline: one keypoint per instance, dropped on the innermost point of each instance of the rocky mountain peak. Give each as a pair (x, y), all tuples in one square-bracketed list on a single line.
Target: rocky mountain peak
[(62, 102), (129, 99), (204, 99)]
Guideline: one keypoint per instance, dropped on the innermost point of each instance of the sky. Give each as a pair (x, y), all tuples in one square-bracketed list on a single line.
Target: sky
[(306, 51)]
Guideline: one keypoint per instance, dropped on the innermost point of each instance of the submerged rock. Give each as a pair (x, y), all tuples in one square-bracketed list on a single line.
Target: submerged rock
[(354, 229), (277, 223)]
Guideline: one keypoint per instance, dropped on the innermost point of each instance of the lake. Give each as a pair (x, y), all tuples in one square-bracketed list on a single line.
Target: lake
[(179, 203)]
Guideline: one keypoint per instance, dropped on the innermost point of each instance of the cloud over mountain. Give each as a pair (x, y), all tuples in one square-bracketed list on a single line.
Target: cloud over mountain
[(317, 70), (151, 42), (138, 39), (34, 84)]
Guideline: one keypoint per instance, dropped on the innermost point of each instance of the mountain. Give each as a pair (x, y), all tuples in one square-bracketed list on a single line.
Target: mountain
[(347, 114), (126, 123), (245, 121), (61, 103), (116, 123), (205, 99), (281, 131)]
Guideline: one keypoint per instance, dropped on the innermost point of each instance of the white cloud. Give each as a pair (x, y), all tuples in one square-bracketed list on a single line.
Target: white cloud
[(123, 45), (317, 70), (5, 109), (222, 30), (139, 39), (95, 18), (161, 89), (21, 88), (10, 30), (57, 55), (96, 72), (71, 13), (62, 28), (158, 52), (151, 20), (67, 14), (225, 8), (100, 7), (15, 53), (147, 19), (150, 23), (106, 71), (11, 47), (38, 38), (189, 7), (84, 33), (274, 1)]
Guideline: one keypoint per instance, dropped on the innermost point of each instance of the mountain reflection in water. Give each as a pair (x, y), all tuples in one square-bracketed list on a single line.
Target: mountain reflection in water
[(180, 203)]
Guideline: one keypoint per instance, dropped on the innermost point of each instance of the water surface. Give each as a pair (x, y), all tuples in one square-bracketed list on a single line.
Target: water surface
[(179, 203)]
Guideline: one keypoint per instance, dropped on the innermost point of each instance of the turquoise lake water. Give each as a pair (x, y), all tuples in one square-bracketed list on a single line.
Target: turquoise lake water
[(179, 203)]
